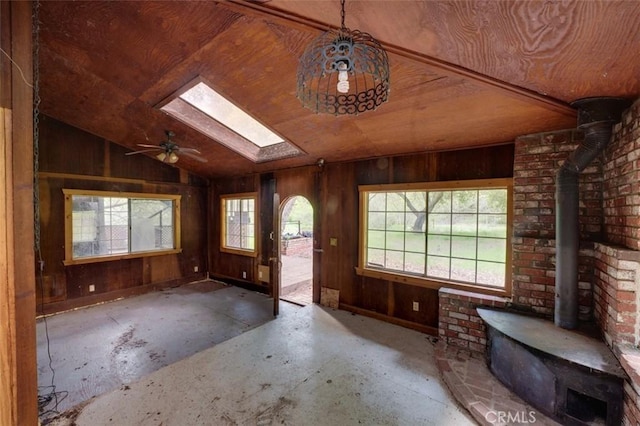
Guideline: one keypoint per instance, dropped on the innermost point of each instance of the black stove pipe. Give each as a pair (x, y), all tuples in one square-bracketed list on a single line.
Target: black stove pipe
[(596, 117)]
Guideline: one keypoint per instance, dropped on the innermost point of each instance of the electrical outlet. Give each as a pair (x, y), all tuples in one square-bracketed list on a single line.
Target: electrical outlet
[(195, 269), (244, 274), (416, 306), (92, 288)]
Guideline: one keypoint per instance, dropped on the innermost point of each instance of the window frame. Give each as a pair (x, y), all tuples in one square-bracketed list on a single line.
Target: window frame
[(223, 224), (421, 280), (68, 225)]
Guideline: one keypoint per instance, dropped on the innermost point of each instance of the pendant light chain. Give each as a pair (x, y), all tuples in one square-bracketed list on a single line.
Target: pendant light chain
[(342, 26)]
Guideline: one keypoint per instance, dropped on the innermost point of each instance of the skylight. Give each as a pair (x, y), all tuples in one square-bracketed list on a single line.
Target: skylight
[(207, 111)]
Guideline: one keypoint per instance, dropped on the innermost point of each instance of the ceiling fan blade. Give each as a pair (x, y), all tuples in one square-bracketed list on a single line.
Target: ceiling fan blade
[(144, 145), (195, 157), (191, 150), (140, 152)]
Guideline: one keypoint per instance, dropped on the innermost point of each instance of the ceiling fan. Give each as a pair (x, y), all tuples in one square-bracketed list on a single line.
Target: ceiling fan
[(169, 150)]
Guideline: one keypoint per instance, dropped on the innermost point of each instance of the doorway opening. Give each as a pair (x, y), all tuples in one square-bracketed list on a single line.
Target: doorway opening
[(296, 251)]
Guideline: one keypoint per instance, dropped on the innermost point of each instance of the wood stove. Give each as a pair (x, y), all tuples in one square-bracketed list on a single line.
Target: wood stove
[(569, 376)]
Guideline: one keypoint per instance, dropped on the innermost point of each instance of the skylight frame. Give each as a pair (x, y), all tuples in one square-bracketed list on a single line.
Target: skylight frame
[(181, 107)]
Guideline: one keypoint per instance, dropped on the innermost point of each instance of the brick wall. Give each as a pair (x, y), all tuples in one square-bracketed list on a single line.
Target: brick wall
[(298, 247), (617, 283), (537, 159), (622, 182), (459, 322), (617, 277)]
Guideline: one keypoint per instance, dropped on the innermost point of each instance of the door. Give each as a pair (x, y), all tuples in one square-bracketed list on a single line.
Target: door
[(275, 255)]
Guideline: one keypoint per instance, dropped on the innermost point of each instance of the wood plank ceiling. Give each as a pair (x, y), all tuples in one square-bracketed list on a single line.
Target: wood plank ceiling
[(463, 73)]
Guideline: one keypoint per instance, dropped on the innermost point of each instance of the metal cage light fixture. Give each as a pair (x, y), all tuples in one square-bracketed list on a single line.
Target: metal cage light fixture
[(343, 72)]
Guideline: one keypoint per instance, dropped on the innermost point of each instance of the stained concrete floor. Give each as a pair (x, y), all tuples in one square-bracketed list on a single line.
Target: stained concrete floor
[(100, 348), (311, 366)]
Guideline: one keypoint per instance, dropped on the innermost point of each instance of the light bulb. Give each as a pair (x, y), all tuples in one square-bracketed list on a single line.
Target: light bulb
[(161, 156), (173, 158), (343, 78)]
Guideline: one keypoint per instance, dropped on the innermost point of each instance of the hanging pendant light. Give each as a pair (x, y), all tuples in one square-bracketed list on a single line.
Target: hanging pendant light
[(343, 72)]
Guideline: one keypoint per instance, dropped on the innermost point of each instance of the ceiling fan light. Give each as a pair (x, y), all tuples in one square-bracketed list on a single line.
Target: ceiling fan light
[(173, 158), (161, 156)]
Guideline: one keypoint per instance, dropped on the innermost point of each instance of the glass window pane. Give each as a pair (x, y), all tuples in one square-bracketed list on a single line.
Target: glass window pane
[(248, 243), (104, 225), (84, 231), (463, 270), (376, 239), (240, 223), (464, 224), (463, 247), (394, 260), (438, 267), (492, 225), (151, 225), (414, 263), (415, 221), (394, 240), (395, 221), (439, 245), (415, 242), (492, 274), (464, 201), (395, 202), (377, 220), (439, 202), (377, 201), (220, 109), (439, 234), (493, 249), (492, 201), (439, 223), (375, 258)]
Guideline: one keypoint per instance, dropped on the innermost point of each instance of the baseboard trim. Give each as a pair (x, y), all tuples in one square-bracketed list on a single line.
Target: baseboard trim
[(393, 320), (96, 299)]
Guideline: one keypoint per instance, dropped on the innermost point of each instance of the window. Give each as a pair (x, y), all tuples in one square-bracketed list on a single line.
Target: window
[(238, 213), (111, 225), (198, 105), (429, 233)]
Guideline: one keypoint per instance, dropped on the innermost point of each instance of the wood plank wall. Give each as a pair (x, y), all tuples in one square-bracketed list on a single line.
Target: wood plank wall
[(333, 192), (18, 373), (71, 158)]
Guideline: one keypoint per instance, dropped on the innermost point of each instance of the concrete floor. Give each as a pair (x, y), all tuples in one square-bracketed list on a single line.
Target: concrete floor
[(311, 366), (100, 348)]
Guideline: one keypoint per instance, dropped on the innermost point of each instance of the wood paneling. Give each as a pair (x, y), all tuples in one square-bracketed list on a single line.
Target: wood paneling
[(568, 50), (105, 66), (335, 186), (63, 168), (228, 265)]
